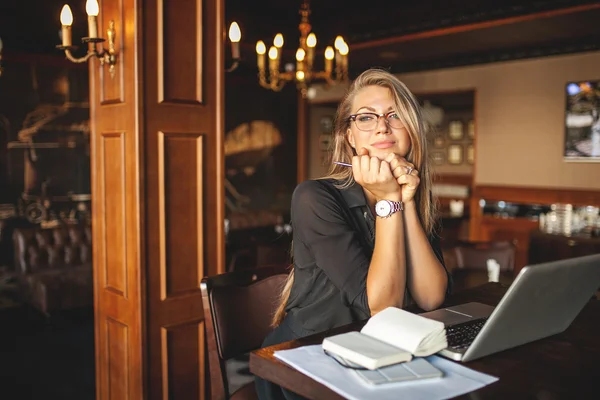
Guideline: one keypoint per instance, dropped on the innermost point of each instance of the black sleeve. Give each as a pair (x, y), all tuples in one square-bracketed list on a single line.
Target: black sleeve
[(436, 246), (319, 223)]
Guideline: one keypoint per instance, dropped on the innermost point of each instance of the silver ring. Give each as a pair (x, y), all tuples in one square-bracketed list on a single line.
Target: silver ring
[(409, 170)]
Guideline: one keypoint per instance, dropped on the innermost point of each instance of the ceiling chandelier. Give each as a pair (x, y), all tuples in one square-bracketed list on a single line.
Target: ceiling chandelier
[(303, 73)]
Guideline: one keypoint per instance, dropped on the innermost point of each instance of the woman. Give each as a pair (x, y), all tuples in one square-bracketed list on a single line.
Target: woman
[(364, 235)]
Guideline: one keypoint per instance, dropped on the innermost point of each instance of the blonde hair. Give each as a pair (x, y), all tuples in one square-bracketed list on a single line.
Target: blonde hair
[(409, 111)]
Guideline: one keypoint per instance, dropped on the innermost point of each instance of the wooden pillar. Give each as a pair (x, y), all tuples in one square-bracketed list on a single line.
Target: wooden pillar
[(158, 198)]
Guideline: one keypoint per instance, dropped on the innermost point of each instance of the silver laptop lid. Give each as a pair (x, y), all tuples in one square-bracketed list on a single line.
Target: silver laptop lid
[(543, 300)]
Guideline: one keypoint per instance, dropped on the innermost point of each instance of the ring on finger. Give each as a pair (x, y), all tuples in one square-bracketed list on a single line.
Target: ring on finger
[(409, 170)]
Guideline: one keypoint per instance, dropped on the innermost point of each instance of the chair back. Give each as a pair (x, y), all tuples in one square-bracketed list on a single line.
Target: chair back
[(474, 255), (238, 309)]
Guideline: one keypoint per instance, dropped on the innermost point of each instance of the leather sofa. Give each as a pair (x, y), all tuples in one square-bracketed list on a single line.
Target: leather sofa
[(54, 266)]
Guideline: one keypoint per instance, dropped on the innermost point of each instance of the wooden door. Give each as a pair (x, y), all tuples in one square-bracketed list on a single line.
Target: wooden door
[(158, 209)]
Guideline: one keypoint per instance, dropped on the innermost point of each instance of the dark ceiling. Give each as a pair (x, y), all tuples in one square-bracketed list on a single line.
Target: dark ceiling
[(398, 34), (409, 35)]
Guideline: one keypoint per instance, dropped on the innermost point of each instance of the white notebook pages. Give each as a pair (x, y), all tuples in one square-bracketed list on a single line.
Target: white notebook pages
[(389, 337)]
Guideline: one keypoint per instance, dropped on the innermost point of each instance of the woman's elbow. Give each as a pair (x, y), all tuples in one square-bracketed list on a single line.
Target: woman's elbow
[(432, 300), (431, 303)]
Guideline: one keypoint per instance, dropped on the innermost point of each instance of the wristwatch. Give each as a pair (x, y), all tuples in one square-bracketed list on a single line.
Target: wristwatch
[(385, 208)]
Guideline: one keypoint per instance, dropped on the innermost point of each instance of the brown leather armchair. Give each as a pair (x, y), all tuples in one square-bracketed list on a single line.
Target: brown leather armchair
[(54, 266)]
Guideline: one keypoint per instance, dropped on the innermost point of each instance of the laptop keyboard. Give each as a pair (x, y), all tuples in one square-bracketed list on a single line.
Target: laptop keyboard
[(460, 336)]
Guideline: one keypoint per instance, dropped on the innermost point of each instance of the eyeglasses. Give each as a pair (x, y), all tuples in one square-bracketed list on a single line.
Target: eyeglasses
[(368, 121)]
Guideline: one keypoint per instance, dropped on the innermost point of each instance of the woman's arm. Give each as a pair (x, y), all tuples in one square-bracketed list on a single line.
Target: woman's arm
[(386, 280), (426, 277)]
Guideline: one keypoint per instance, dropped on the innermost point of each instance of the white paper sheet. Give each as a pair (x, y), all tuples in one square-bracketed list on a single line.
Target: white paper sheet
[(457, 380)]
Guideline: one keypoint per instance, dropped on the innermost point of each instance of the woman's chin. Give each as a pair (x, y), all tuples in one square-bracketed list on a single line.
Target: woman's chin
[(382, 154)]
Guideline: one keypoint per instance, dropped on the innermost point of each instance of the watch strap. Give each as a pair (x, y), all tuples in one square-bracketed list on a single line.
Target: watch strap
[(395, 206)]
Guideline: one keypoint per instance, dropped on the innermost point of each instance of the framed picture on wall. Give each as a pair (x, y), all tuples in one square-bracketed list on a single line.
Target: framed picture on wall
[(582, 121), (471, 129), (438, 141), (455, 130), (438, 157), (455, 154), (471, 154)]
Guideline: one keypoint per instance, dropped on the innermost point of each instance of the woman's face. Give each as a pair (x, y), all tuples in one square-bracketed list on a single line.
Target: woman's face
[(380, 136)]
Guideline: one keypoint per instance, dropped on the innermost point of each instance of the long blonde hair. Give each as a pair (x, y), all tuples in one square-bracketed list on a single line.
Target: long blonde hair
[(409, 111)]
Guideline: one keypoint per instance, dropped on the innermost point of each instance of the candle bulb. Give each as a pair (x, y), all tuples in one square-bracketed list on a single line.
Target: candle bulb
[(91, 8), (66, 20), (235, 35), (344, 53), (338, 43), (300, 54), (311, 42), (261, 49), (328, 60), (278, 41), (273, 58)]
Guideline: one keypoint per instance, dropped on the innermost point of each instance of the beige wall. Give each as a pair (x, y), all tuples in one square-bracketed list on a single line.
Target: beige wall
[(520, 108)]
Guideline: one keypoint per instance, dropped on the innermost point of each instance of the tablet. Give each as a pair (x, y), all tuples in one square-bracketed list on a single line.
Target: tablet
[(418, 368)]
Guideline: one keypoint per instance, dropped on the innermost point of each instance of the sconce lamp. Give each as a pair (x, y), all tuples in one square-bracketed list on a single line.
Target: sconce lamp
[(0, 56), (108, 57), (235, 35)]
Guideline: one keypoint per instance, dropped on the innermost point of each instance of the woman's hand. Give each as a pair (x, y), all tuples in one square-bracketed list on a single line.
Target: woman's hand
[(406, 175), (375, 176)]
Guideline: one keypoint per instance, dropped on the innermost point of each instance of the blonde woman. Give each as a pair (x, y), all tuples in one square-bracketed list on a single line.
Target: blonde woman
[(364, 236)]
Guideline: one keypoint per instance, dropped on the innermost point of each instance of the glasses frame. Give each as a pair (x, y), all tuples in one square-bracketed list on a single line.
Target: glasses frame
[(352, 117)]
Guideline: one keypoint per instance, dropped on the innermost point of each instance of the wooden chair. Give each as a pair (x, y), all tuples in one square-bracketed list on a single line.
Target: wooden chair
[(238, 308), (470, 263)]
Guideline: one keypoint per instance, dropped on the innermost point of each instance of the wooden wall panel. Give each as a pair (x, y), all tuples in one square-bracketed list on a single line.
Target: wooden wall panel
[(117, 212), (113, 87), (180, 212), (180, 51), (117, 346), (177, 343), (114, 223)]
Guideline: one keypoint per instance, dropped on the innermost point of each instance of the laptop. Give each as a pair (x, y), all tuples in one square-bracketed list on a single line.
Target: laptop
[(543, 300)]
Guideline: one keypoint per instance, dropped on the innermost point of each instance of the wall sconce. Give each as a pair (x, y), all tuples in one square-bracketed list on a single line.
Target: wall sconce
[(108, 57), (0, 56), (235, 35)]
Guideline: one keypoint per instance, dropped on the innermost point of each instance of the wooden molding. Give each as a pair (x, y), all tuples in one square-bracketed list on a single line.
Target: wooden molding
[(453, 179), (473, 26), (520, 194)]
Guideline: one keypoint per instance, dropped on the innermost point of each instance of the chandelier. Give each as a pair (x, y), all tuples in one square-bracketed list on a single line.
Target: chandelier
[(303, 74)]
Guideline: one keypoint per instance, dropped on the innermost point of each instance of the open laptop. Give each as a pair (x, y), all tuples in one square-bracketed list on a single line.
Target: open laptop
[(543, 300)]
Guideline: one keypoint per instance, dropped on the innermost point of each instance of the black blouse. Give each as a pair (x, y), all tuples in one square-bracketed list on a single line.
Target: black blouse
[(333, 242)]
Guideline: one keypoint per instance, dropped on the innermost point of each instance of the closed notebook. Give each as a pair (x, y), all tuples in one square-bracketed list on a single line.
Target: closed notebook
[(392, 336)]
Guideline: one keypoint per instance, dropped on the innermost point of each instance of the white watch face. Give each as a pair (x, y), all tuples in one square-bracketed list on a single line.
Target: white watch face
[(383, 208)]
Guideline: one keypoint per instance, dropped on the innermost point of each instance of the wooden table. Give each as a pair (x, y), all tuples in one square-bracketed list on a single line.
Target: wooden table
[(469, 278), (566, 365)]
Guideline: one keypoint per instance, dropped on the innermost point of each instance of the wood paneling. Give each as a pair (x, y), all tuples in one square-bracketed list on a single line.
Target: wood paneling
[(180, 212), (179, 48), (112, 176), (113, 87), (177, 343), (158, 206)]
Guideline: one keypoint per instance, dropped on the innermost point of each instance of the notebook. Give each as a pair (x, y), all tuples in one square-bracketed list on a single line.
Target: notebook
[(391, 336)]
